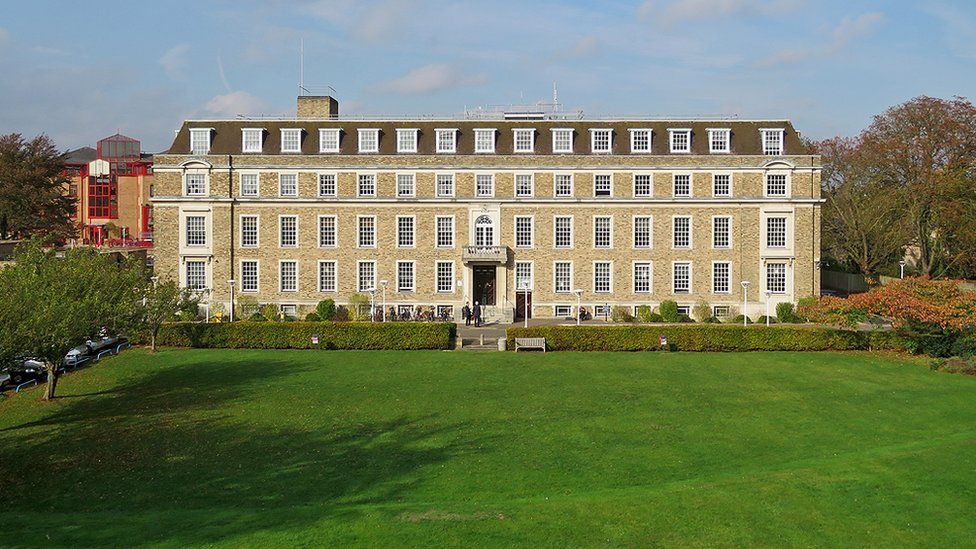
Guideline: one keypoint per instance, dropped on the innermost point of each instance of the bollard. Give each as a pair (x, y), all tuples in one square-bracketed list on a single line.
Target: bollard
[(481, 339), (502, 342)]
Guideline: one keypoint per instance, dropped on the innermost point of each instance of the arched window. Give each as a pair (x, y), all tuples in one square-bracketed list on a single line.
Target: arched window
[(484, 232)]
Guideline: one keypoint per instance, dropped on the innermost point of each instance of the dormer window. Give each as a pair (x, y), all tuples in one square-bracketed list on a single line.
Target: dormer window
[(252, 138), (200, 140), (484, 140), (406, 140), (680, 140), (369, 140), (772, 141), (328, 140), (562, 140), (601, 140), (291, 140), (718, 140), (524, 140), (640, 140), (446, 140)]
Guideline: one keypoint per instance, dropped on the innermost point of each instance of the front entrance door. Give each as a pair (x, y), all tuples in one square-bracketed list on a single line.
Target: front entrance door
[(484, 285), (521, 307)]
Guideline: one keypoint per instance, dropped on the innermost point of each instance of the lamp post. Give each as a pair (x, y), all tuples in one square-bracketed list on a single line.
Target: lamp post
[(372, 305), (231, 284), (768, 295), (579, 304), (902, 265), (524, 287), (745, 302), (383, 283)]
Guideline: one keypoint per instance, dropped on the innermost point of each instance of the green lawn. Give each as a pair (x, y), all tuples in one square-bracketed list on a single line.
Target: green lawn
[(290, 448)]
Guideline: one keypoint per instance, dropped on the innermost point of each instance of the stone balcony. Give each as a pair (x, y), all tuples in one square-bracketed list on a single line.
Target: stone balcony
[(485, 254)]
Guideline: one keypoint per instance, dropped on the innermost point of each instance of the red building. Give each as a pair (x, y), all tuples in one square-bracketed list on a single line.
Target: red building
[(113, 184)]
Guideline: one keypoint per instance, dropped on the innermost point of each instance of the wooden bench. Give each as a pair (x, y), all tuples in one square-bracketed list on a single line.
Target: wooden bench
[(530, 343)]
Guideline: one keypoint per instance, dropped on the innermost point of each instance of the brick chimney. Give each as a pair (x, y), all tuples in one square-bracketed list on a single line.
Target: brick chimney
[(317, 106)]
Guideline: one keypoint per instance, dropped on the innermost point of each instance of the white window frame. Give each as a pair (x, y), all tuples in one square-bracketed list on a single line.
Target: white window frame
[(412, 275), (412, 234), (650, 186), (359, 232), (206, 275), (335, 231), (515, 225), (281, 186), (608, 175), (715, 177), (787, 183), (323, 141), (555, 141), (728, 236), (515, 182), (672, 134), (359, 275), (593, 139), (367, 135), (257, 230), (609, 219), (194, 134), (335, 276), (531, 276), (250, 132), (786, 232), (281, 233), (786, 277), (491, 186), (691, 230), (335, 184), (674, 184), (566, 310), (203, 230), (650, 277), (444, 148), (555, 185), (291, 131), (411, 145), (516, 133), (728, 280), (674, 279), (555, 273), (634, 149), (449, 287), (257, 276), (413, 184), (650, 232), (715, 132), (437, 233), (764, 132), (555, 232), (281, 278), (479, 133), (437, 185), (609, 280), (257, 183), (359, 185), (204, 190)]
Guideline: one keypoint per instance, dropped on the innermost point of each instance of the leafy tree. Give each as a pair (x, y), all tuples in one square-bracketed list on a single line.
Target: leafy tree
[(163, 301), (669, 311), (326, 309), (33, 200), (702, 310), (50, 304)]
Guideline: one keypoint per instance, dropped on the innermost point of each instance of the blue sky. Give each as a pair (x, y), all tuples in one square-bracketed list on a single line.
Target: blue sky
[(79, 71)]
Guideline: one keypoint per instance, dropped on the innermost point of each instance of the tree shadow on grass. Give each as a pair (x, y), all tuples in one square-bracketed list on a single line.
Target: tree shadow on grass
[(159, 461)]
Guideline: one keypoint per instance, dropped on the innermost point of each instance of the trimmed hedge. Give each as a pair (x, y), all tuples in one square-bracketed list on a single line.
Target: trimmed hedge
[(705, 337), (298, 335)]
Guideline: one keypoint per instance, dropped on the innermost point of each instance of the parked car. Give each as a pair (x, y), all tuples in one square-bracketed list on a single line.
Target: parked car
[(91, 348), (22, 370)]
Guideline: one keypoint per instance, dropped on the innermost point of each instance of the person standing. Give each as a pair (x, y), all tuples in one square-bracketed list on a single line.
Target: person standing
[(477, 314), (466, 312)]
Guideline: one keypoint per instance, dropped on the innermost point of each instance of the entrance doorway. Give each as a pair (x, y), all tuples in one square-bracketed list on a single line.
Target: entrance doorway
[(484, 285), (523, 305)]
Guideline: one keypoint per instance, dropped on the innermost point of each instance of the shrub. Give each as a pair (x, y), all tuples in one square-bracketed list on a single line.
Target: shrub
[(619, 313), (956, 365), (257, 317), (706, 337), (711, 320), (669, 311), (762, 320), (341, 314), (326, 309), (298, 335), (358, 307), (186, 316), (655, 318), (312, 317), (644, 313), (270, 311), (804, 303), (702, 310), (247, 306), (685, 319), (738, 319), (785, 312)]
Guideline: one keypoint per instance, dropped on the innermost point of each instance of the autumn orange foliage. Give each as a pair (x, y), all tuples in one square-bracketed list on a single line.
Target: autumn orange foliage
[(910, 300)]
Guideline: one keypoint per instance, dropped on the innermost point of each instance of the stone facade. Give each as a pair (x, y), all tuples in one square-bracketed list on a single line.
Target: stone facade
[(488, 271)]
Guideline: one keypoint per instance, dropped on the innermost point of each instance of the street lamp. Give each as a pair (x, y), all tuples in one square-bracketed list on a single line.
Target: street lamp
[(902, 265), (383, 283), (745, 302), (372, 305), (231, 284), (524, 287), (579, 305), (768, 295)]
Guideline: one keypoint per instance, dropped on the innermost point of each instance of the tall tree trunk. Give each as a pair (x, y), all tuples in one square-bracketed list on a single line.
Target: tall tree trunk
[(152, 342), (52, 382)]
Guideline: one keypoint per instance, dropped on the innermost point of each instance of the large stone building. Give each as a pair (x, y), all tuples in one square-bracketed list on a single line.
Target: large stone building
[(507, 209)]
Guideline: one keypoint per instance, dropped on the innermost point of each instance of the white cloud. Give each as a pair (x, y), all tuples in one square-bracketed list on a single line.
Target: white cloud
[(174, 60), (431, 78), (849, 29), (232, 104), (689, 10)]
